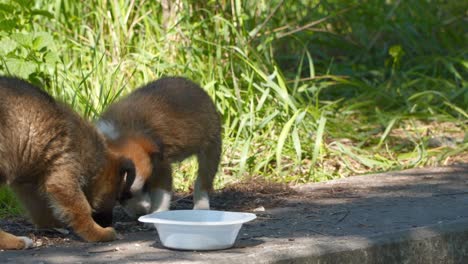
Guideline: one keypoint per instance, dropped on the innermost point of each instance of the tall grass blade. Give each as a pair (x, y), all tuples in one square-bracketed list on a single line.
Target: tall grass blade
[(318, 139), (282, 138)]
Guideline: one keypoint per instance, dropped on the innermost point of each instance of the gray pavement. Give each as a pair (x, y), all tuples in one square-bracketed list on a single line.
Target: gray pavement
[(412, 216)]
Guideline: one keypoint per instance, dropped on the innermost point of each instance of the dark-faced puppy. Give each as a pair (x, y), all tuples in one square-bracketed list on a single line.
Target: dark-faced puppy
[(164, 122), (57, 164)]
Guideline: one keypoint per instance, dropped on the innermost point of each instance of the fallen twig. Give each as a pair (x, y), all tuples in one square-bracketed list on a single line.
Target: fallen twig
[(343, 217), (103, 250)]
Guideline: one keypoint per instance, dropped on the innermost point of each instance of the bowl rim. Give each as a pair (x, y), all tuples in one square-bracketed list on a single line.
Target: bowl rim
[(152, 218)]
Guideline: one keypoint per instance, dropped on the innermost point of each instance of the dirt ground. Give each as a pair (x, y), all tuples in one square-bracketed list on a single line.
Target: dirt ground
[(292, 222), (318, 208), (247, 196)]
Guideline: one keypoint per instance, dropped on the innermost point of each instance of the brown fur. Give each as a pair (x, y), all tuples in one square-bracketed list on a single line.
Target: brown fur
[(164, 122), (57, 164)]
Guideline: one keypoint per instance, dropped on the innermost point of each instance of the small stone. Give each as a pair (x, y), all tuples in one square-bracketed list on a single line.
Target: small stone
[(259, 209), (38, 243)]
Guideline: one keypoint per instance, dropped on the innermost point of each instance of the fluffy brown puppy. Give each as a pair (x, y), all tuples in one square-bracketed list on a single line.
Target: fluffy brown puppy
[(57, 164), (164, 122)]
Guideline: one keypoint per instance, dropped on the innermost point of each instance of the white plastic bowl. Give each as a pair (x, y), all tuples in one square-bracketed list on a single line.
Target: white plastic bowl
[(197, 229)]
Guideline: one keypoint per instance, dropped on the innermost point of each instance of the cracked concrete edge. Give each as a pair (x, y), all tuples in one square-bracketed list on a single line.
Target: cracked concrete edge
[(440, 243)]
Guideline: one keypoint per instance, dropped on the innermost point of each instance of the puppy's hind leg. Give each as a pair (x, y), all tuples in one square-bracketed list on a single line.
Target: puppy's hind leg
[(208, 162), (37, 206)]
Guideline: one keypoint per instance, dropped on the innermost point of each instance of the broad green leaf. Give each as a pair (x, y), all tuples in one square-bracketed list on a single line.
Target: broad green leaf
[(41, 40), (51, 58), (7, 46), (23, 39), (20, 68)]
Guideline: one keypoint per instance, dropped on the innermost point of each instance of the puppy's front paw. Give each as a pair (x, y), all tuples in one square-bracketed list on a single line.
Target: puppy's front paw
[(28, 243), (108, 234), (100, 234)]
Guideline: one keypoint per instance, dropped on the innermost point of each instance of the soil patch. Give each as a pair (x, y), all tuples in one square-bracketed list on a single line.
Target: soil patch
[(249, 195)]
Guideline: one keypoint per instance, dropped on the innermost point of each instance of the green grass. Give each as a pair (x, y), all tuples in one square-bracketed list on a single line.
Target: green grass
[(308, 90), (9, 206)]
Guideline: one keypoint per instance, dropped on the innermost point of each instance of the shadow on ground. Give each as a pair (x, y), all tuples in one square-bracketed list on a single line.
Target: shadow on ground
[(360, 207)]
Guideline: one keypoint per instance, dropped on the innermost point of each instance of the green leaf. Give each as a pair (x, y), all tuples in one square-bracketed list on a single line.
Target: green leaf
[(26, 4), (268, 119), (265, 94), (42, 13), (51, 58), (282, 138), (458, 109), (7, 25), (7, 46), (20, 68), (297, 143), (387, 131), (23, 39), (311, 65), (395, 51), (41, 40), (318, 139), (6, 8)]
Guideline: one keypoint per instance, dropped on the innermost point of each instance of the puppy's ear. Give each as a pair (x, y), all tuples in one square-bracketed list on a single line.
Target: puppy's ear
[(128, 174)]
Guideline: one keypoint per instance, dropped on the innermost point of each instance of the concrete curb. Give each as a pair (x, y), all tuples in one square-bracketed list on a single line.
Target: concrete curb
[(441, 243)]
